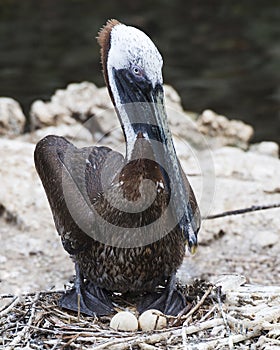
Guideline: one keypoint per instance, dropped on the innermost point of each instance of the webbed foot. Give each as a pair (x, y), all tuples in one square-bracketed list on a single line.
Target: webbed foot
[(171, 301), (86, 299)]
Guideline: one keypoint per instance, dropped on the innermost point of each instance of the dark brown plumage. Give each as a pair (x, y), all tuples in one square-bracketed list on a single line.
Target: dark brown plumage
[(90, 192)]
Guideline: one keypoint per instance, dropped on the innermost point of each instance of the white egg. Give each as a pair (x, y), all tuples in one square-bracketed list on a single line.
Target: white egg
[(124, 321), (151, 320)]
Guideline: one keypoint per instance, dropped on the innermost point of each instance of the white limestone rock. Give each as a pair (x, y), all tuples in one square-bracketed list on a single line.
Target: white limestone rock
[(224, 131), (75, 133), (12, 119), (44, 114), (76, 102), (267, 148)]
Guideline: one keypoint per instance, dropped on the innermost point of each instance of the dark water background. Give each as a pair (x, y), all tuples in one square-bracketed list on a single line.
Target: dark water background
[(223, 55)]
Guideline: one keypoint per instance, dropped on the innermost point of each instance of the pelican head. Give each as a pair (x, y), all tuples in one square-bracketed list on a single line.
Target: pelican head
[(130, 61), (132, 67)]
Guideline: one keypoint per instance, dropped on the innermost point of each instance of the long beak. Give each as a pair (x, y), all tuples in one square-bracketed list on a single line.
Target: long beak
[(181, 193), (142, 113)]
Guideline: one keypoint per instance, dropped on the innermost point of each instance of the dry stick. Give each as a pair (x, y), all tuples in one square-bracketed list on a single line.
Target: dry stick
[(189, 310), (79, 306), (178, 318), (228, 343), (128, 342), (242, 211), (222, 311), (203, 318), (201, 326), (144, 346), (197, 306), (119, 342), (7, 309), (22, 333), (71, 340), (188, 315)]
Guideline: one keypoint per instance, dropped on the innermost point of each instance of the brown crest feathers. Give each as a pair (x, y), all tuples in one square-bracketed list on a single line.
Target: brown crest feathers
[(103, 39), (104, 32)]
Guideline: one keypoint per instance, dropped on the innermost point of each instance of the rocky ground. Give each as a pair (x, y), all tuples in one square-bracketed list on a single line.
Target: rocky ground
[(225, 170)]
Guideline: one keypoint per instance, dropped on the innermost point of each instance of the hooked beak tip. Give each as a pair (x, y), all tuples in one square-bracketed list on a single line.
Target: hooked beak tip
[(192, 245), (190, 238), (193, 249)]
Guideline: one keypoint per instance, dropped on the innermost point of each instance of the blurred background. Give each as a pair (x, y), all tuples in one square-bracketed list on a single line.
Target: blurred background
[(222, 55)]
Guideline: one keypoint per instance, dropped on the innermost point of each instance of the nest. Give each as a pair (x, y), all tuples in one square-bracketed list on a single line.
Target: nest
[(221, 316)]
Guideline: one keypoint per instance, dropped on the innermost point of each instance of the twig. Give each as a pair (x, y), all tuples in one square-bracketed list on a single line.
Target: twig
[(219, 289), (56, 344), (8, 308), (203, 318), (79, 307), (197, 306), (242, 211), (144, 346), (128, 343), (178, 318), (190, 313), (228, 342), (118, 342), (71, 340), (201, 326), (67, 316), (22, 333)]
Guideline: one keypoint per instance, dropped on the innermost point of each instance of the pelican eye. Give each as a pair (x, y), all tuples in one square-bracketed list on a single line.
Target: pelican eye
[(136, 71)]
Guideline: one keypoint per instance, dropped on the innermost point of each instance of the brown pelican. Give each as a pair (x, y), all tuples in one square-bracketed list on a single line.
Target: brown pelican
[(124, 220)]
